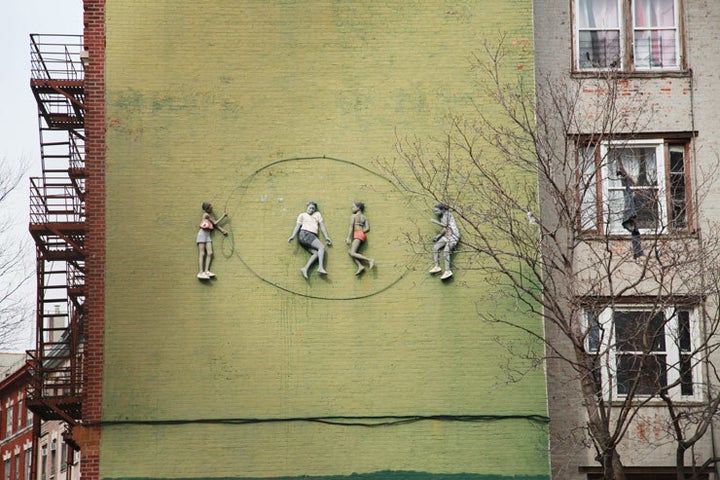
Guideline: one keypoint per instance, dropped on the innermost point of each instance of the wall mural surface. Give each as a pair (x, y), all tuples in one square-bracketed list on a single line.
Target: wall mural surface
[(340, 345)]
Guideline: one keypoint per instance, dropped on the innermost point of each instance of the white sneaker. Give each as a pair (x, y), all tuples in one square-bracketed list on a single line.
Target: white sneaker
[(209, 274), (435, 270), (446, 275), (203, 276)]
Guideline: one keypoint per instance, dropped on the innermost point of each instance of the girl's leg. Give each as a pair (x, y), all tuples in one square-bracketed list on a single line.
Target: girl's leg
[(439, 245), (313, 257), (317, 245), (201, 257), (357, 257), (446, 253), (208, 258)]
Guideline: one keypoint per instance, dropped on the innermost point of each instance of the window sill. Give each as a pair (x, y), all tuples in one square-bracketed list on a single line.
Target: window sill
[(658, 403), (639, 74), (617, 236)]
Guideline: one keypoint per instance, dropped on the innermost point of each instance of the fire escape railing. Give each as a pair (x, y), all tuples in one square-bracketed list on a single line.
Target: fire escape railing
[(57, 223)]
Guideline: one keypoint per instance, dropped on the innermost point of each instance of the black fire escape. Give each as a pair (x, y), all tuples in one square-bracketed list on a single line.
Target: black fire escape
[(57, 224)]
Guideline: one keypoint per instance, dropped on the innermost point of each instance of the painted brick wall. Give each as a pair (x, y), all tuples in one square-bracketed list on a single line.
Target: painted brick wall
[(258, 108)]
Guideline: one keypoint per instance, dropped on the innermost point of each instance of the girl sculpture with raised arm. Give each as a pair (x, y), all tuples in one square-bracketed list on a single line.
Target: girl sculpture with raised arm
[(446, 240), (204, 240), (357, 234), (306, 228)]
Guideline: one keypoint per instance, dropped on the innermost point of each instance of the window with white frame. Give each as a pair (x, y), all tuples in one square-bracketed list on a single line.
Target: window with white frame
[(43, 462), (9, 420), (63, 456), (642, 351), (642, 35), (645, 180), (21, 406), (53, 457), (28, 464)]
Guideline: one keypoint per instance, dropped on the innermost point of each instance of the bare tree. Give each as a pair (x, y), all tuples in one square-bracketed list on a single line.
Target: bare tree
[(15, 307), (619, 289)]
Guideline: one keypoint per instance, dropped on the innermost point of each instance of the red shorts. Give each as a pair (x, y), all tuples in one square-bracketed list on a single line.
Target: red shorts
[(359, 235)]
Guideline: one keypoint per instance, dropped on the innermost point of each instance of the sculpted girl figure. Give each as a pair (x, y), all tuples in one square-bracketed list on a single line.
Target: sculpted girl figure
[(306, 228), (446, 240), (204, 240), (357, 234)]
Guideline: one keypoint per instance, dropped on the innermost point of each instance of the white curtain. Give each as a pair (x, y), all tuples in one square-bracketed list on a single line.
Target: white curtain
[(599, 33), (655, 33)]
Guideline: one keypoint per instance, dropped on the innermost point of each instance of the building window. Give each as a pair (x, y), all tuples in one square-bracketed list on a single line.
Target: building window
[(9, 421), (17, 467), (642, 179), (21, 406), (28, 464), (53, 457), (43, 462), (6, 469), (641, 35), (644, 351), (63, 457)]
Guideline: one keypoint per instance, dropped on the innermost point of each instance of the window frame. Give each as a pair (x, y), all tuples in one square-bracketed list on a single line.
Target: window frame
[(628, 44), (601, 339), (9, 420), (27, 471), (595, 178)]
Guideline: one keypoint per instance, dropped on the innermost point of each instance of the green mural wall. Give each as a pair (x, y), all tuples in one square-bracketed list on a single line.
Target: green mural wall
[(259, 107)]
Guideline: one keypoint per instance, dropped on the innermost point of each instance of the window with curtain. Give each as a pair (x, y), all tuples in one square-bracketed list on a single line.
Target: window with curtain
[(640, 35), (642, 179)]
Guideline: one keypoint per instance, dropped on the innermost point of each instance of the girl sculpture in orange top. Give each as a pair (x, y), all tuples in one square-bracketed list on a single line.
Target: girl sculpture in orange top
[(357, 234)]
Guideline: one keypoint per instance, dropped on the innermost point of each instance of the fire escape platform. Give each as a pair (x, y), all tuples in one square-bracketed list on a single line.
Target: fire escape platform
[(60, 101), (56, 408)]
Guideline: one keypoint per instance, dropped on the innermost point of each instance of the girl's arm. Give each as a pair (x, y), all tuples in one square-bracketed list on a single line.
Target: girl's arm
[(324, 231), (220, 219), (366, 225), (295, 232), (215, 223)]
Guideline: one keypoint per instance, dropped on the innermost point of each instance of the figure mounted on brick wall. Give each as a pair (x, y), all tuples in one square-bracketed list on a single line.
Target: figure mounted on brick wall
[(446, 240), (204, 240), (306, 228), (357, 234)]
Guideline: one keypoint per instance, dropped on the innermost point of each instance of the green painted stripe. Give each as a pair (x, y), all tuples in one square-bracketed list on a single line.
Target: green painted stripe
[(383, 475)]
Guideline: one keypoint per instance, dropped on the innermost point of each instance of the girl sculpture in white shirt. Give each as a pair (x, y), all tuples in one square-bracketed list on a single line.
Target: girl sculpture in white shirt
[(306, 228)]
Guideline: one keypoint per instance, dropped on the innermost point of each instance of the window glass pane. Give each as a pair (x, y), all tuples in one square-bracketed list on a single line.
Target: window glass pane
[(633, 187), (678, 201), (599, 49), (655, 34), (684, 342), (646, 208), (654, 13), (686, 378), (598, 34), (655, 49), (639, 331), (646, 373), (601, 14), (588, 188), (593, 331), (28, 463)]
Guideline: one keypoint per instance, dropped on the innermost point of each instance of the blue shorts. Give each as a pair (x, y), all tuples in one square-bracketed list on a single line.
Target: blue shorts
[(203, 236)]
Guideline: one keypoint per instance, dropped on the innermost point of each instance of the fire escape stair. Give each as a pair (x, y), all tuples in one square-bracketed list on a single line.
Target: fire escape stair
[(57, 225)]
